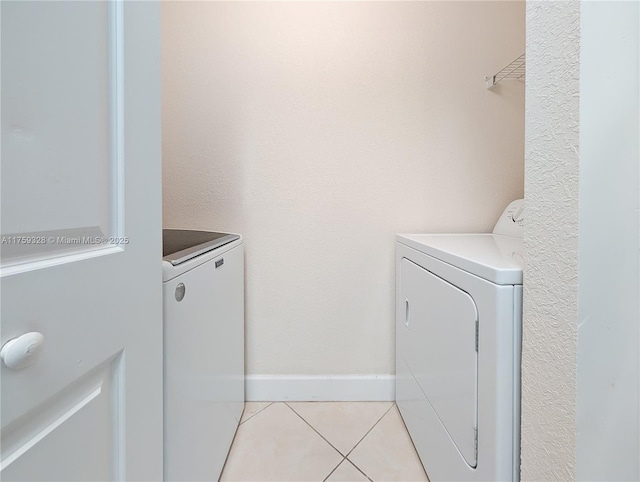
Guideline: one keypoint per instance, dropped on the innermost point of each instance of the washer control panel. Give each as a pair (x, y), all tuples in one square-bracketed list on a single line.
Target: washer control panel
[(511, 223)]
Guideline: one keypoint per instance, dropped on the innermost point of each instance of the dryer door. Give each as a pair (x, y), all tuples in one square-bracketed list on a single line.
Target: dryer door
[(441, 320)]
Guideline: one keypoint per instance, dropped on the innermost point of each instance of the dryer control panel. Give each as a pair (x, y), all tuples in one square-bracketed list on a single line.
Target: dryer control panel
[(511, 223)]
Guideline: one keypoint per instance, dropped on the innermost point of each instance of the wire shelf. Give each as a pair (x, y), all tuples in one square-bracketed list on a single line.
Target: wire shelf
[(514, 71)]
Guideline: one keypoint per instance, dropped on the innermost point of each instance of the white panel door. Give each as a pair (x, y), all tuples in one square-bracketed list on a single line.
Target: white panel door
[(81, 241)]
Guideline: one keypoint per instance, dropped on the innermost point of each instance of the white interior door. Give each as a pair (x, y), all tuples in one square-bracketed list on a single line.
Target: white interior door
[(81, 241)]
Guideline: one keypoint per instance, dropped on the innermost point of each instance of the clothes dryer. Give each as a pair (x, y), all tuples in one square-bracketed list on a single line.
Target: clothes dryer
[(458, 339)]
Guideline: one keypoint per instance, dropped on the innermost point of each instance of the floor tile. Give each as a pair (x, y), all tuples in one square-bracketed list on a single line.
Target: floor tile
[(343, 424), (347, 472), (276, 445), (251, 408), (387, 454)]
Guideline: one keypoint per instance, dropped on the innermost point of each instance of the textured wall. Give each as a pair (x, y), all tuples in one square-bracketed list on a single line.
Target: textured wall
[(550, 318), (608, 336), (318, 130)]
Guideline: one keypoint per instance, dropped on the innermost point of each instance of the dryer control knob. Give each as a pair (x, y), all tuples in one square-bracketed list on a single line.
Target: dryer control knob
[(518, 215)]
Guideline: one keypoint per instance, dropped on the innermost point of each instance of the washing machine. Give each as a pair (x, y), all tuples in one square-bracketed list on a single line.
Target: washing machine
[(458, 339), (203, 284)]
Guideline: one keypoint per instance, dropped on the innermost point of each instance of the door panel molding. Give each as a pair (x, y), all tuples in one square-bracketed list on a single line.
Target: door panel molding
[(103, 386), (34, 141)]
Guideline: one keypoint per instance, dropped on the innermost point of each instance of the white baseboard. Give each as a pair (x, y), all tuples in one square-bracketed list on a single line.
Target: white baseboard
[(323, 388)]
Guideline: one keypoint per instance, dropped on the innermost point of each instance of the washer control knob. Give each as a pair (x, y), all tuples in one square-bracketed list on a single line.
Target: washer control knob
[(21, 352)]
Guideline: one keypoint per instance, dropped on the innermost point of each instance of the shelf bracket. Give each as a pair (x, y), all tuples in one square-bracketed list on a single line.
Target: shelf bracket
[(514, 71)]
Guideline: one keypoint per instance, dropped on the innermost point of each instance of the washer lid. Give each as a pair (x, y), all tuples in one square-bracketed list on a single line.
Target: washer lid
[(180, 245), (494, 257)]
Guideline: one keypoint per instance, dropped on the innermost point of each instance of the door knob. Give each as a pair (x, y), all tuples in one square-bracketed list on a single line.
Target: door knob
[(21, 352)]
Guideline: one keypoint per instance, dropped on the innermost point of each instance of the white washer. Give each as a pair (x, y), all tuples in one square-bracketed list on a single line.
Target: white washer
[(458, 338), (203, 275)]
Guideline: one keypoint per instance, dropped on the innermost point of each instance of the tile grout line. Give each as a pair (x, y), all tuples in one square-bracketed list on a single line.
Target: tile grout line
[(404, 425), (359, 469), (353, 448), (233, 440), (393, 404), (249, 418), (335, 468), (365, 436), (344, 457), (414, 446), (313, 428)]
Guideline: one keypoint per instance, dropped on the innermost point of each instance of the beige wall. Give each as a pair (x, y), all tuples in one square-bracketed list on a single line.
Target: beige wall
[(550, 318), (318, 130)]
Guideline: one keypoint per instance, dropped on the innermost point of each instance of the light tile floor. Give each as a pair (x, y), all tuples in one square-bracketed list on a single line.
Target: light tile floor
[(322, 441)]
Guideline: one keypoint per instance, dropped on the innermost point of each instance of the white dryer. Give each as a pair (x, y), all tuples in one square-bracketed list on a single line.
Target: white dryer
[(458, 339)]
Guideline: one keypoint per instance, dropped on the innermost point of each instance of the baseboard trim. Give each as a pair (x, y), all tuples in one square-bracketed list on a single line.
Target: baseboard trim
[(342, 388)]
